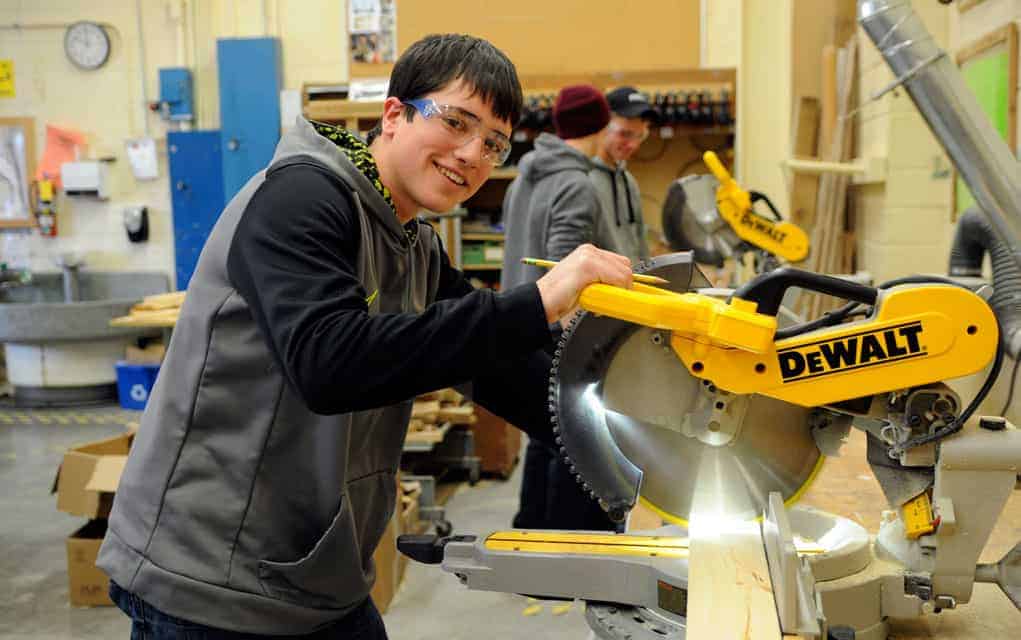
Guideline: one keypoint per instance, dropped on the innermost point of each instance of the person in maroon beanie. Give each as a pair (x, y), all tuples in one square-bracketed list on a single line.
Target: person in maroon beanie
[(551, 208)]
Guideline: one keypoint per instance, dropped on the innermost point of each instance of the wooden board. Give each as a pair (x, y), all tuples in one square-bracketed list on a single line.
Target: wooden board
[(464, 414), (163, 319), (427, 411), (730, 594), (429, 435), (160, 301), (805, 187)]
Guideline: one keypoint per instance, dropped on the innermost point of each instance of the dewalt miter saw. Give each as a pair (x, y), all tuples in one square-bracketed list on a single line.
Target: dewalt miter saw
[(687, 401), (698, 404)]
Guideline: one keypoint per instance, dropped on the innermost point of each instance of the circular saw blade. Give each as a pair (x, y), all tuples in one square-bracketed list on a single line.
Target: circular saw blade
[(691, 221), (632, 421)]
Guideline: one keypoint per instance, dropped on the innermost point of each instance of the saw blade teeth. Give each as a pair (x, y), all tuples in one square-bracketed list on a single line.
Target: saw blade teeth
[(553, 399)]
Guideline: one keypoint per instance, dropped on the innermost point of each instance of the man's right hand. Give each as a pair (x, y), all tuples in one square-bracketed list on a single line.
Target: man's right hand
[(562, 285)]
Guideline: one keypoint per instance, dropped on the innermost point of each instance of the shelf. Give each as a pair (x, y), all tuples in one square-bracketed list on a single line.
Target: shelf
[(17, 223), (342, 110), (479, 235), (481, 267), (504, 173)]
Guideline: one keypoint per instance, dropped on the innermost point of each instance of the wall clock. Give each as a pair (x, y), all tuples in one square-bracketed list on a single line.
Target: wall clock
[(87, 45)]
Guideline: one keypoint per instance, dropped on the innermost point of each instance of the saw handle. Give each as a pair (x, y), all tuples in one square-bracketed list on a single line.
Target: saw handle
[(768, 289)]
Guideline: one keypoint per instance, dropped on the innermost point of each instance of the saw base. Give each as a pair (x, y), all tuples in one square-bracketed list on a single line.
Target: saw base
[(636, 584)]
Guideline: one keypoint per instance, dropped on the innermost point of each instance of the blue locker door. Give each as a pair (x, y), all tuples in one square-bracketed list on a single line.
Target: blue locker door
[(249, 71), (196, 193)]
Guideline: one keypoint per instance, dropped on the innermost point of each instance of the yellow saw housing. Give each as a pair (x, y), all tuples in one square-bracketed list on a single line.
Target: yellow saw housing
[(917, 334)]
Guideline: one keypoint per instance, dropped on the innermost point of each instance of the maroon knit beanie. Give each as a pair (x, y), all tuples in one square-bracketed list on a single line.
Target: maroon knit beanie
[(580, 110)]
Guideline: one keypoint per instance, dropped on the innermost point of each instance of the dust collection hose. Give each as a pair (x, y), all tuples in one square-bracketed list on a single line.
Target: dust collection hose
[(973, 239)]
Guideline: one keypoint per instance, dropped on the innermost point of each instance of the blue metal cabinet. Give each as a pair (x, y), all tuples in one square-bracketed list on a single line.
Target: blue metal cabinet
[(196, 193), (249, 73)]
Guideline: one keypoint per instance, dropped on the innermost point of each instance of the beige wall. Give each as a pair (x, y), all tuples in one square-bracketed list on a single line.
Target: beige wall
[(764, 97), (107, 104), (904, 224), (721, 39)]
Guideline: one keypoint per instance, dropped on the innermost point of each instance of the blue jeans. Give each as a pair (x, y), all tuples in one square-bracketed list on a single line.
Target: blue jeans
[(149, 623)]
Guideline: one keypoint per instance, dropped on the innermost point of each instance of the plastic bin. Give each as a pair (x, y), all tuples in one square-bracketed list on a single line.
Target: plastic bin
[(134, 383)]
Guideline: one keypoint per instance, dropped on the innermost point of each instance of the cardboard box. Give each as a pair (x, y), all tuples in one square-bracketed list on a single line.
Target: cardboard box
[(391, 563), (151, 354), (388, 568), (87, 585), (89, 475)]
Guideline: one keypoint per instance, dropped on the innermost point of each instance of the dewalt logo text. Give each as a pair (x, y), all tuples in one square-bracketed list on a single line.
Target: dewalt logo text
[(760, 224), (857, 351)]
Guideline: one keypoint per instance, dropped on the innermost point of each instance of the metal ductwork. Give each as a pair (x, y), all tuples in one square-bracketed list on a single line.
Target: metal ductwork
[(952, 112)]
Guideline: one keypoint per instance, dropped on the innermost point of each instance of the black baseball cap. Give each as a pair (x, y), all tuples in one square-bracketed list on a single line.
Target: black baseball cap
[(630, 103)]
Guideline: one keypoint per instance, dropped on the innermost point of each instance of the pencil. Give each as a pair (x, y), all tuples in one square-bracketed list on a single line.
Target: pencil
[(639, 277)]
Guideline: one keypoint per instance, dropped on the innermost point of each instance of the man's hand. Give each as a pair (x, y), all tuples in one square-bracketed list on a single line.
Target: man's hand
[(562, 285)]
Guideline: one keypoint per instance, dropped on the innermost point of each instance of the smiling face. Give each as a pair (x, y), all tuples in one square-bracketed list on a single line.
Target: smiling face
[(623, 137), (422, 164)]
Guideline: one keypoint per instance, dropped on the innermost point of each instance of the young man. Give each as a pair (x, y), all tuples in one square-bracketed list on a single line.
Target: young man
[(621, 228), (550, 209), (262, 476)]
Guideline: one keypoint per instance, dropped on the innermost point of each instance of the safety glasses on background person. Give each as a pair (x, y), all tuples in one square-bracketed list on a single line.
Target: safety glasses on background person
[(464, 127), (630, 135)]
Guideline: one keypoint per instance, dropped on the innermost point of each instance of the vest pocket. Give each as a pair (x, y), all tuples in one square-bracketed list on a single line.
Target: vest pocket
[(337, 572), (329, 576)]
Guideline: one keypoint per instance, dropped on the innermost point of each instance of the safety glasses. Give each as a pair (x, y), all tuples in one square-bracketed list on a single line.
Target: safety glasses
[(463, 127), (629, 135)]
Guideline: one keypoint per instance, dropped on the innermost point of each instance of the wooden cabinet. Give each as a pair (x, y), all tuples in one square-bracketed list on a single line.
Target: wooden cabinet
[(497, 443)]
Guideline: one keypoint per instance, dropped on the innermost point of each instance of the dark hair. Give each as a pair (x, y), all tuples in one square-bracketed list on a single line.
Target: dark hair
[(434, 61)]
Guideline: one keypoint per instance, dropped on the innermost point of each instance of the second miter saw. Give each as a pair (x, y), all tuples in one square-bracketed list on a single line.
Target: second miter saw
[(715, 218)]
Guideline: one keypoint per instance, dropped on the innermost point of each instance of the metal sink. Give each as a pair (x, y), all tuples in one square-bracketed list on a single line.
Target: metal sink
[(35, 312)]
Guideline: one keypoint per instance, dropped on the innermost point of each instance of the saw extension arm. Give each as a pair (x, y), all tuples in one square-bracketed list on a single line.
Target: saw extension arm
[(914, 335)]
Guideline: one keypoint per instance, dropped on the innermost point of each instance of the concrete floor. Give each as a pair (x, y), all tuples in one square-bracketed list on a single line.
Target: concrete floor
[(33, 574), (430, 604)]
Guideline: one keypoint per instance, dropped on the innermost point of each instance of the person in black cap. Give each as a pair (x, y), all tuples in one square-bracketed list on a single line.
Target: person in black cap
[(550, 209), (621, 228)]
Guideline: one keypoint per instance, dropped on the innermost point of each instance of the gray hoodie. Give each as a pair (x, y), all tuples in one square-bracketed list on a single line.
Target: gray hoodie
[(549, 209), (621, 228)]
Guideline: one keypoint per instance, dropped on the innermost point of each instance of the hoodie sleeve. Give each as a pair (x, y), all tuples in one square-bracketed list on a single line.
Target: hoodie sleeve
[(573, 214), (515, 389), (293, 260), (643, 242)]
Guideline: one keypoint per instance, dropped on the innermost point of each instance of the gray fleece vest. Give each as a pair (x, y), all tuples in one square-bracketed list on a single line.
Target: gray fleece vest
[(239, 508)]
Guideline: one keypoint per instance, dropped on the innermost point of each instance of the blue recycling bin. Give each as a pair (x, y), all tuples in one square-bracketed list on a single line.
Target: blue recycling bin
[(134, 383)]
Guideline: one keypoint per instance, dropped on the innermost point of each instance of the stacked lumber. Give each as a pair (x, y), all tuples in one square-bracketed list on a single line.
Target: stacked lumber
[(153, 311), (832, 242), (434, 412)]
